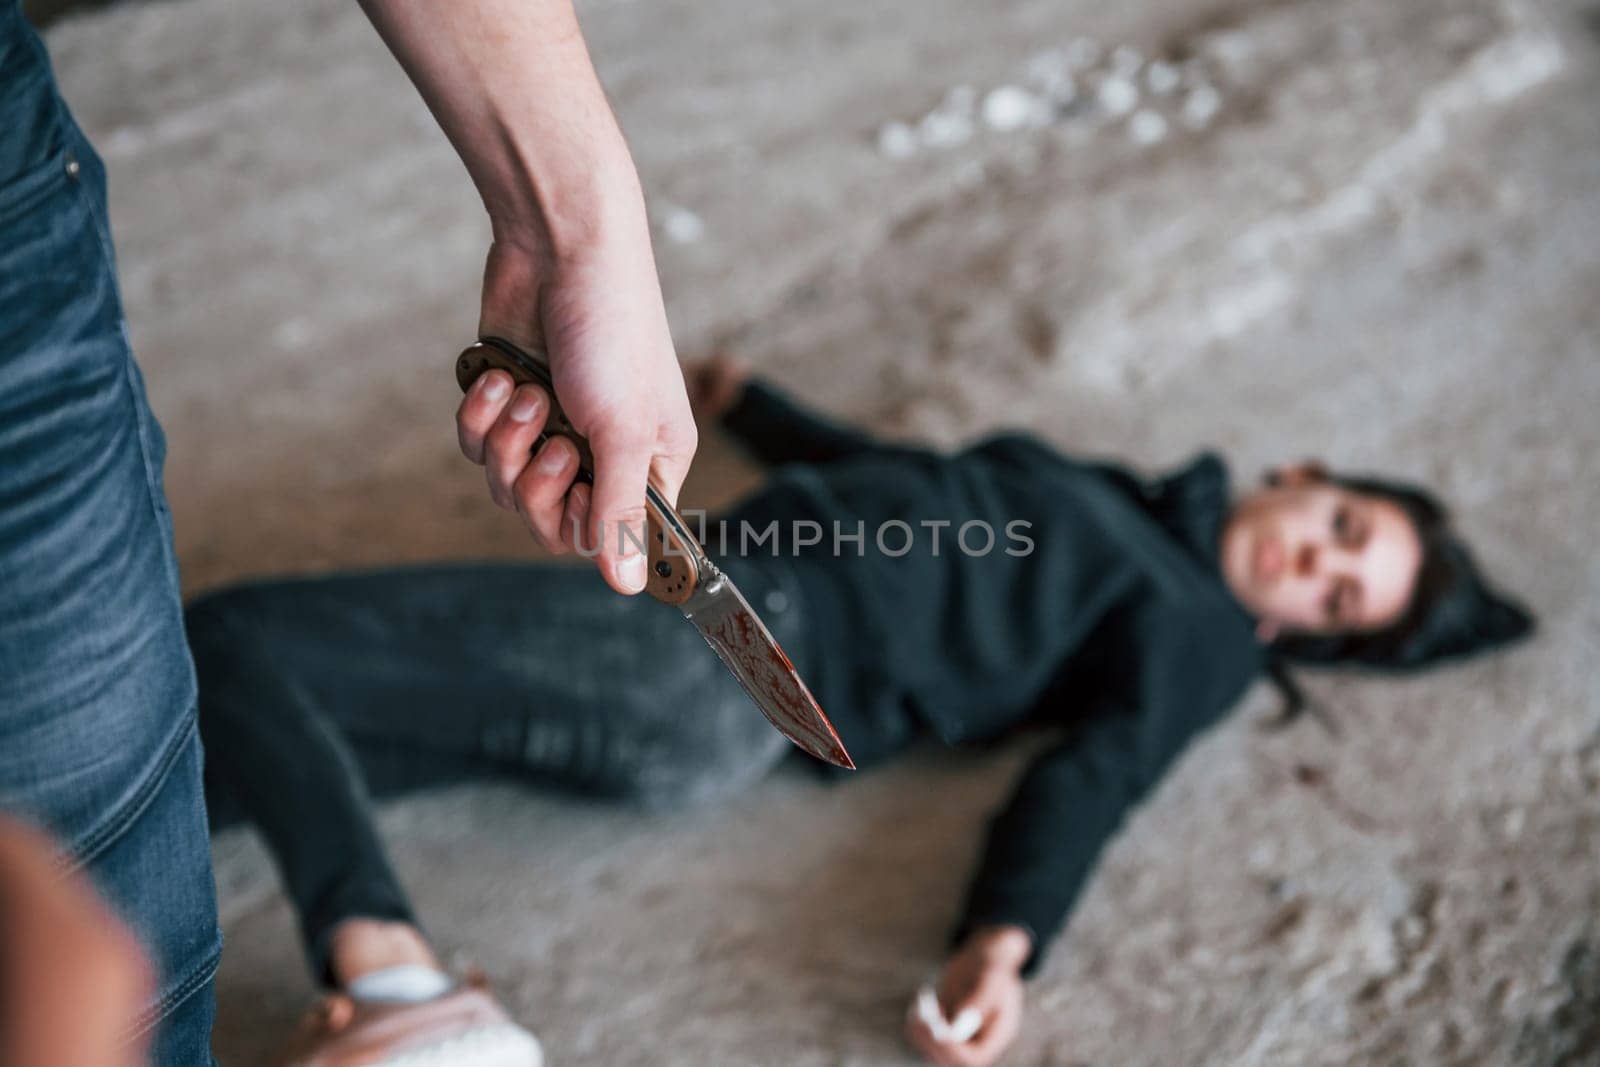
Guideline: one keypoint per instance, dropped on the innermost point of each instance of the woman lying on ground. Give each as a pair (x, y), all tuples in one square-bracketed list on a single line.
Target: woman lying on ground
[(998, 586)]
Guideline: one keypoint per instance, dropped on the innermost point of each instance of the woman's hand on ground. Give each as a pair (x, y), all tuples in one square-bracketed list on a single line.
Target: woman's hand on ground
[(985, 975), (716, 385)]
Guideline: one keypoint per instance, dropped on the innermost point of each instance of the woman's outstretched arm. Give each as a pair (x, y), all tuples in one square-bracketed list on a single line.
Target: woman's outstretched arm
[(1043, 845)]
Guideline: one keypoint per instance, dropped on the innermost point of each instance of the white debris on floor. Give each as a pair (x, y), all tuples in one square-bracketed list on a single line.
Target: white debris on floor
[(681, 225), (1010, 108), (1200, 106), (1147, 127), (1116, 82)]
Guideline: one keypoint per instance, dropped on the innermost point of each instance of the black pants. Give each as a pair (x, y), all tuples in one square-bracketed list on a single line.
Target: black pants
[(317, 694)]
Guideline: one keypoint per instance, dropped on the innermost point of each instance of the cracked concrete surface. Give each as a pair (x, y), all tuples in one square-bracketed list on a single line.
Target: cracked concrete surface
[(1381, 250)]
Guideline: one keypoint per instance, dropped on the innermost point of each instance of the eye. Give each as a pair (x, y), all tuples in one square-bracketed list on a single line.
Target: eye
[(1346, 529)]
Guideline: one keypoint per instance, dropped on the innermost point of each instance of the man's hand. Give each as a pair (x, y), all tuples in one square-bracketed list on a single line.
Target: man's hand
[(571, 268), (600, 318), (985, 975), (72, 978)]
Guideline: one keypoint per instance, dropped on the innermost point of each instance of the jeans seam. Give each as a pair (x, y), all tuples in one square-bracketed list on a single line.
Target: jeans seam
[(196, 981), (83, 852), (155, 492)]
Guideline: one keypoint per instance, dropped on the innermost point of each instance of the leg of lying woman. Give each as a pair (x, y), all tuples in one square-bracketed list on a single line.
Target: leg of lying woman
[(317, 694)]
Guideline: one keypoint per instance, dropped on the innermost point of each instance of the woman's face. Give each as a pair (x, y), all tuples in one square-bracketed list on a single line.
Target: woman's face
[(1305, 556)]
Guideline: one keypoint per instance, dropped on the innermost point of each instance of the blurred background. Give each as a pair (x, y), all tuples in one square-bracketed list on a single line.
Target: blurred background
[(1354, 229)]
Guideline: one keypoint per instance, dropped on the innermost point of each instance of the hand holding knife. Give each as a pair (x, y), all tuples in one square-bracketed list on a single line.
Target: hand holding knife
[(680, 574)]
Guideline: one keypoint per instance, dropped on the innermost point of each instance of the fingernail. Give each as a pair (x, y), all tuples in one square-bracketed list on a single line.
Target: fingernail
[(494, 386), (552, 457), (631, 572), (525, 406)]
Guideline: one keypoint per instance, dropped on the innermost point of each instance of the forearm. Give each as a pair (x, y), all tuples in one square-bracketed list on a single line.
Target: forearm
[(512, 85), (1043, 846)]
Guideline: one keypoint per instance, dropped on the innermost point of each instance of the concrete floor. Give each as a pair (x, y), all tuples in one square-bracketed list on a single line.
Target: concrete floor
[(1381, 249)]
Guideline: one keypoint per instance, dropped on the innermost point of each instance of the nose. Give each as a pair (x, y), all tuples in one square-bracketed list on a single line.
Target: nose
[(1305, 560)]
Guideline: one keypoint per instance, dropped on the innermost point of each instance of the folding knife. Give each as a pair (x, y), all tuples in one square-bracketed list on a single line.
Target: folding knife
[(682, 575)]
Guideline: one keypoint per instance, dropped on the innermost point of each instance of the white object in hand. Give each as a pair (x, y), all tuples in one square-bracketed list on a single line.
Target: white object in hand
[(945, 1031)]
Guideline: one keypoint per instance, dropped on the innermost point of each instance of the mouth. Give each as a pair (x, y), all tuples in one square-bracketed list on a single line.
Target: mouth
[(1267, 559)]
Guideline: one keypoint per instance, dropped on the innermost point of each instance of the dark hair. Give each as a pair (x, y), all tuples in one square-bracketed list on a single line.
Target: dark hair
[(1453, 612)]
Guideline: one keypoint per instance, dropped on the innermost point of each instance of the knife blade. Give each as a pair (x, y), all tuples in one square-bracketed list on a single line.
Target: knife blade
[(681, 574)]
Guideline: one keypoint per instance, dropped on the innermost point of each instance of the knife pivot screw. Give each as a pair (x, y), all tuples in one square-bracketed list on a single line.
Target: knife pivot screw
[(663, 568)]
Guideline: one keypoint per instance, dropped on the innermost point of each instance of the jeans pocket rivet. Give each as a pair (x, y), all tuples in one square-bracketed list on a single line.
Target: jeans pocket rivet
[(72, 166)]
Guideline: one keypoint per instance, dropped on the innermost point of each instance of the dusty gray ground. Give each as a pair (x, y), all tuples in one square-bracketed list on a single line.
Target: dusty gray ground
[(1382, 250)]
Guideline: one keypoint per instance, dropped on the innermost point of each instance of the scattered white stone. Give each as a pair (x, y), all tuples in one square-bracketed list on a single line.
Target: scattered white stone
[(896, 140), (1117, 96), (1126, 61), (1147, 127), (1201, 106), (1083, 53), (1010, 108), (944, 129), (1162, 77), (1232, 49), (681, 225)]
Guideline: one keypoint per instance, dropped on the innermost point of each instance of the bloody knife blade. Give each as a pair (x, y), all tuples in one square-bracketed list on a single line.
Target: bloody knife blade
[(680, 574)]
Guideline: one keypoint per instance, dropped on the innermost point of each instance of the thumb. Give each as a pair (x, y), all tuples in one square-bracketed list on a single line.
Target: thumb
[(510, 293), (616, 509), (670, 464)]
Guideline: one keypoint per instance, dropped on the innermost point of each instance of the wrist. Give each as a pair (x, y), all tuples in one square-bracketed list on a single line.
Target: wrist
[(567, 206), (1005, 945)]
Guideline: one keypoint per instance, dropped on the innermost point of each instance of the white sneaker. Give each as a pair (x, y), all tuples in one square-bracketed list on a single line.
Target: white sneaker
[(466, 1027)]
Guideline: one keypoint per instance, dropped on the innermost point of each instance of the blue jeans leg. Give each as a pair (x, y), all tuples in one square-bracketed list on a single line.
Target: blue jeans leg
[(97, 692)]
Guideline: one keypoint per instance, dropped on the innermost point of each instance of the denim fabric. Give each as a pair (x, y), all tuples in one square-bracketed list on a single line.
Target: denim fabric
[(317, 693), (97, 727)]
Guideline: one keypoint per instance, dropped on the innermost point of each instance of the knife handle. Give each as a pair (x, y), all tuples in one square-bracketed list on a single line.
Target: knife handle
[(675, 556)]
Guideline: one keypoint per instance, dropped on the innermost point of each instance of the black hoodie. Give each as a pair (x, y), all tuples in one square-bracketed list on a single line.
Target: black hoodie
[(1098, 606)]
